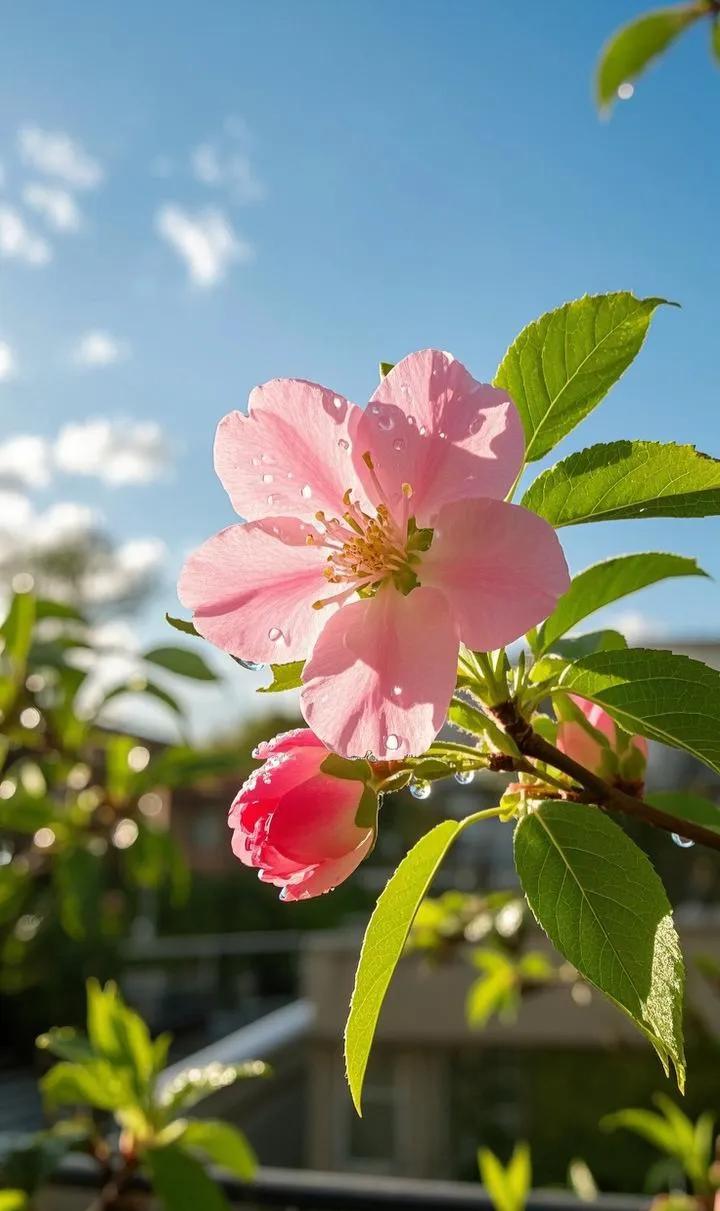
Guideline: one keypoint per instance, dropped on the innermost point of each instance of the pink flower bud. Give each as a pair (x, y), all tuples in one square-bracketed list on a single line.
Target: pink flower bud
[(596, 742), (296, 823)]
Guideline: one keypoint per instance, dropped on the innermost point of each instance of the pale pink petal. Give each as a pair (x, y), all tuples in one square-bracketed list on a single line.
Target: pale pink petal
[(431, 425), (290, 454), (251, 590), (598, 718), (382, 673), (317, 817), (576, 742), (501, 568), (327, 875), (287, 742)]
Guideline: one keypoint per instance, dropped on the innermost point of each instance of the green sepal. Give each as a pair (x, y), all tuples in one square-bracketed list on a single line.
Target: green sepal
[(385, 368), (367, 812), (395, 782), (356, 769)]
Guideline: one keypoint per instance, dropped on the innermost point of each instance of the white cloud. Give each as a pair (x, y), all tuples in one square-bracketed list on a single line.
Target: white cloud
[(234, 170), (206, 242), (131, 566), (56, 205), (18, 242), (24, 462), (636, 626), (8, 364), (55, 154), (118, 452), (98, 348)]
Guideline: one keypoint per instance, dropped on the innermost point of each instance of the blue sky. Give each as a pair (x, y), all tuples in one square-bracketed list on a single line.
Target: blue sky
[(390, 176)]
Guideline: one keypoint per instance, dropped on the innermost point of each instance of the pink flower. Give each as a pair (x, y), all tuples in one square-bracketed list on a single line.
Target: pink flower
[(377, 540), (593, 739), (296, 823)]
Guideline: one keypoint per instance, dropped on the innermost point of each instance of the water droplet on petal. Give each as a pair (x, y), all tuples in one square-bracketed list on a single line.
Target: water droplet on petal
[(683, 842), (422, 430), (420, 788), (464, 776), (267, 478), (255, 460), (289, 475), (398, 444), (265, 458), (397, 690), (386, 423), (337, 402), (251, 665), (343, 444), (255, 754), (272, 500), (442, 435), (274, 634), (306, 491), (411, 420), (392, 742)]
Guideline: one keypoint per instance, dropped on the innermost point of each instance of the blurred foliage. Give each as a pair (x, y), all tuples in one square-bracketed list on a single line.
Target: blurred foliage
[(690, 1145), (490, 933), (507, 1186), (83, 807), (110, 1078)]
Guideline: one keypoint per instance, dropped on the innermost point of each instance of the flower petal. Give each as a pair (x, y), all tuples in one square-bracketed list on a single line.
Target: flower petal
[(381, 674), (251, 589), (317, 818), (431, 425), (326, 875), (501, 568), (290, 453)]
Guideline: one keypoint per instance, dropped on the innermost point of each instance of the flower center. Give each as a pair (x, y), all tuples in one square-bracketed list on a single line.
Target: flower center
[(366, 551)]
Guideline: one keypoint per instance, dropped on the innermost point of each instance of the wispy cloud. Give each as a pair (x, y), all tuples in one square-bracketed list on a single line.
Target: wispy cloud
[(57, 206), (234, 170), (98, 348), (206, 241), (8, 364), (18, 242), (56, 154), (25, 462), (116, 452)]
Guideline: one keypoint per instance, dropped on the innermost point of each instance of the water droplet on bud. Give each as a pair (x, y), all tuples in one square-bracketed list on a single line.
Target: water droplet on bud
[(464, 776), (683, 842), (420, 788)]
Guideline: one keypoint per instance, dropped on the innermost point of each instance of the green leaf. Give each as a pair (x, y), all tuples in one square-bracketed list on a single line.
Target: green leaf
[(468, 718), (182, 662), (285, 677), (185, 625), (495, 991), (384, 942), (617, 480), (77, 878), (560, 367), (584, 645), (89, 1083), (181, 1182), (715, 40), (600, 902), (194, 1084), (657, 694), (633, 48), (66, 1043), (222, 1144), (687, 806), (145, 687), (14, 1200), (609, 581), (119, 1034), (508, 1188), (16, 882), (385, 368), (16, 631)]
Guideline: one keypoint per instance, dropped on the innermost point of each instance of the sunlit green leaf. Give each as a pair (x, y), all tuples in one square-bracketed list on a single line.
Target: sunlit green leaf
[(384, 942), (285, 677), (657, 694), (625, 479), (194, 1084), (636, 45), (561, 366), (603, 906), (507, 1188), (584, 645), (610, 581), (221, 1144), (185, 625)]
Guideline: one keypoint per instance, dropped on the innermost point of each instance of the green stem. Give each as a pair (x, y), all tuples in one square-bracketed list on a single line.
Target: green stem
[(487, 814)]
